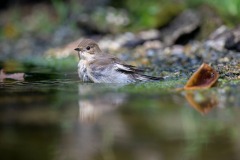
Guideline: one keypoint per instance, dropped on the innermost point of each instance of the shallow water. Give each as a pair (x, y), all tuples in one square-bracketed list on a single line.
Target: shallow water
[(53, 116)]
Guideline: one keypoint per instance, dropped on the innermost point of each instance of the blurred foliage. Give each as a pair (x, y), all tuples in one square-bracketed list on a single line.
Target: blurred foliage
[(65, 64), (229, 10), (49, 63), (43, 19), (150, 14), (10, 31), (157, 13), (38, 19), (61, 8)]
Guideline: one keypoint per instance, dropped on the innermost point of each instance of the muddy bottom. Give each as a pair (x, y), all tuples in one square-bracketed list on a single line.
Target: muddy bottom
[(53, 116)]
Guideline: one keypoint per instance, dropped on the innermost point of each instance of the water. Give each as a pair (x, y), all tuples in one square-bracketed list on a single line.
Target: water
[(53, 116)]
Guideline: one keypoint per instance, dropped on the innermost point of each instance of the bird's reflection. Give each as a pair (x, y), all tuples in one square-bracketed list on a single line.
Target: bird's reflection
[(93, 105), (203, 100), (98, 125)]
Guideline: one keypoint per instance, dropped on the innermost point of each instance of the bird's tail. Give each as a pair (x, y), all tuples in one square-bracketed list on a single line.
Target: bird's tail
[(146, 78)]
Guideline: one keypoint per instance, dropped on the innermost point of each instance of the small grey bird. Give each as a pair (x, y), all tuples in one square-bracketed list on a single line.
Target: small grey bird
[(98, 67)]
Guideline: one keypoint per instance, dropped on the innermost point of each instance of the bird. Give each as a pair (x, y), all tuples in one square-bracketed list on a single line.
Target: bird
[(99, 67)]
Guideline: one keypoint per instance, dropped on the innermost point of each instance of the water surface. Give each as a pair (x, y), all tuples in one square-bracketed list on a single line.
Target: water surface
[(53, 116)]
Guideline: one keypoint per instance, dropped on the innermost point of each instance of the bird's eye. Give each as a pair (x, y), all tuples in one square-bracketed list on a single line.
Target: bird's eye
[(88, 47)]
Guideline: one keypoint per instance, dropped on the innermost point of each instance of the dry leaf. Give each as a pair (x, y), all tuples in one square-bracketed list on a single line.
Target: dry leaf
[(15, 76), (205, 77)]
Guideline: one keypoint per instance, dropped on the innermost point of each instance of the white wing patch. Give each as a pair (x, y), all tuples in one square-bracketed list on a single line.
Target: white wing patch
[(119, 66)]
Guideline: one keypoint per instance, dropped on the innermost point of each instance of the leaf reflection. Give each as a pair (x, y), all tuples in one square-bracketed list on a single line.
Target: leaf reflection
[(202, 101)]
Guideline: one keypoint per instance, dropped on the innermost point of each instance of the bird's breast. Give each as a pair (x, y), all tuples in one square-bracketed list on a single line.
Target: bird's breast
[(82, 71)]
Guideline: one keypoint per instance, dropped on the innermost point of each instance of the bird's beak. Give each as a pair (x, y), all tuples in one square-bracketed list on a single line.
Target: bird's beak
[(77, 49)]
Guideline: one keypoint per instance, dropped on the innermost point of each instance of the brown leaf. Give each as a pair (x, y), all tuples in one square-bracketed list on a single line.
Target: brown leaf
[(205, 77), (15, 76)]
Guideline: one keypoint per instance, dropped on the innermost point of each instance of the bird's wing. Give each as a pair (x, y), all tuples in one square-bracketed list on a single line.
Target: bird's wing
[(116, 64), (127, 69), (135, 73), (100, 70), (111, 69)]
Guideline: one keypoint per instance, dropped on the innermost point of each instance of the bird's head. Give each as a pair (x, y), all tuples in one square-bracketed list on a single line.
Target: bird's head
[(88, 49)]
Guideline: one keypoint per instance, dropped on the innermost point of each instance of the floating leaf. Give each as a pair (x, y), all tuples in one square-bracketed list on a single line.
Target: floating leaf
[(15, 76), (205, 77)]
